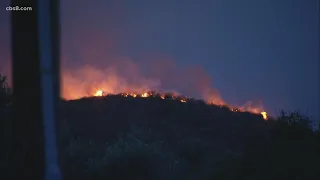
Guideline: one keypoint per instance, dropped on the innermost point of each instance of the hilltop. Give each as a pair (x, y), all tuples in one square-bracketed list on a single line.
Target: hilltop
[(154, 137), (114, 113), (122, 137)]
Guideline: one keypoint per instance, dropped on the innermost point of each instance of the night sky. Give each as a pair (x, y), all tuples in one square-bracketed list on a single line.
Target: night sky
[(252, 49)]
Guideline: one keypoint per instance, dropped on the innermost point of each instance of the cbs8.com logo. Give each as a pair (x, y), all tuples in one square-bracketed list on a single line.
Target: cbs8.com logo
[(18, 8)]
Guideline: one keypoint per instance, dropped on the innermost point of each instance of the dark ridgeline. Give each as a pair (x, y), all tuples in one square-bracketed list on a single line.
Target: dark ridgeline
[(117, 137)]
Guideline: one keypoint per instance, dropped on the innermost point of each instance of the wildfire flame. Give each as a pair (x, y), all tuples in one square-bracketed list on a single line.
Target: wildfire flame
[(264, 115), (182, 100), (145, 95), (98, 93)]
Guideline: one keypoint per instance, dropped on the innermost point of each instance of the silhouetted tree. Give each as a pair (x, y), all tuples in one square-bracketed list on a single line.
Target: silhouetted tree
[(290, 152), (5, 92), (5, 126)]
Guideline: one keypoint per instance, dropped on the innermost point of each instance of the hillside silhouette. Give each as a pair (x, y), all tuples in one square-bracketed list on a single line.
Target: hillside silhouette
[(116, 137)]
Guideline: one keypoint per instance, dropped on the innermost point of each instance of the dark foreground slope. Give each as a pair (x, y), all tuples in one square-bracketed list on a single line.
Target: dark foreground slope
[(150, 138)]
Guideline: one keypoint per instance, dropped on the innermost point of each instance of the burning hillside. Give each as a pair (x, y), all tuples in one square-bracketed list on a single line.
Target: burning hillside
[(126, 79), (177, 97)]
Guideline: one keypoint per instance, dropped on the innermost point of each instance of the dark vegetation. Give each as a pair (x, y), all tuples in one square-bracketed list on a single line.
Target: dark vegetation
[(116, 138)]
